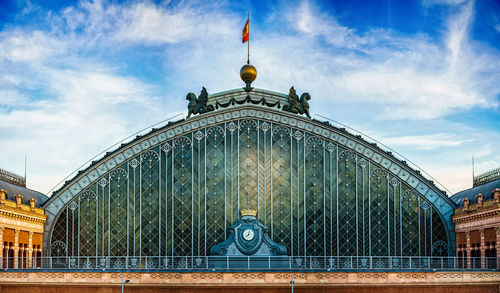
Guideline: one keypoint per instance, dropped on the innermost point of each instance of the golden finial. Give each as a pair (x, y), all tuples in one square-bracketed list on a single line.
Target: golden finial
[(248, 212), (248, 74)]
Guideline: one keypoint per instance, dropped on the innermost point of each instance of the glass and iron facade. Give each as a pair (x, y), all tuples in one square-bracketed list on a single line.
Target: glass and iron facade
[(320, 190)]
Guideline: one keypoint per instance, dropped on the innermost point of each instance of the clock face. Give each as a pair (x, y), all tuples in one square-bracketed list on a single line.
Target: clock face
[(248, 234)]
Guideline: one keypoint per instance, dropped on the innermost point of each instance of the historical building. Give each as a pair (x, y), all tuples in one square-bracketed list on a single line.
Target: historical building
[(21, 223), (247, 192), (321, 191), (477, 220)]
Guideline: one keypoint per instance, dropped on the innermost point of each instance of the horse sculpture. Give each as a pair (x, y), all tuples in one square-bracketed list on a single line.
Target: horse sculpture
[(297, 105), (198, 105)]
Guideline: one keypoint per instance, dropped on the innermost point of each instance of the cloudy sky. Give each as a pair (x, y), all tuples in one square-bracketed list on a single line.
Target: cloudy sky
[(423, 77)]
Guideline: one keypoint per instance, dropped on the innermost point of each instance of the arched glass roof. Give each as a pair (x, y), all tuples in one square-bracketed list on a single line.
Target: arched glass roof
[(312, 183)]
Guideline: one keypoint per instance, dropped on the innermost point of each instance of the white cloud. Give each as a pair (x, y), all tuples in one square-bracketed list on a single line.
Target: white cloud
[(83, 101), (92, 110), (20, 46), (425, 142), (147, 23), (11, 98), (309, 21), (397, 76), (444, 2), (458, 27)]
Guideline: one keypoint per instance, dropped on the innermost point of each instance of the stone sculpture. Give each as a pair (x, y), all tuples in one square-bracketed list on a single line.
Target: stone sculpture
[(198, 105), (297, 105)]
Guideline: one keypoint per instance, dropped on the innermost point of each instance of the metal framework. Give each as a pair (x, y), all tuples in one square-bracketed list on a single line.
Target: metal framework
[(177, 198), (255, 263)]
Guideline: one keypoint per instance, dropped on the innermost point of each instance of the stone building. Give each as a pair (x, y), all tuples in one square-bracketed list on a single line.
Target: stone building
[(477, 220), (21, 223)]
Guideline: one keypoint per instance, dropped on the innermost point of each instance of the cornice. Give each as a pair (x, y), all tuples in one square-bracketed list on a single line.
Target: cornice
[(476, 216), (19, 214)]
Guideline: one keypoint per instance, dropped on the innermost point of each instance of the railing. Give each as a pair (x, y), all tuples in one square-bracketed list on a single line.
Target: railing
[(252, 263), (12, 178), (486, 177)]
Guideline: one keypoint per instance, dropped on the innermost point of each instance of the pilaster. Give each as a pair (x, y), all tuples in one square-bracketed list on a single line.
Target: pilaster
[(498, 241), (468, 249), (1, 247), (16, 248), (30, 249), (483, 248)]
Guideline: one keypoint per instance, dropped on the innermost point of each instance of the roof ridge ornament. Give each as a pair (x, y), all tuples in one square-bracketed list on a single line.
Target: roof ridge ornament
[(297, 105), (248, 74), (198, 105)]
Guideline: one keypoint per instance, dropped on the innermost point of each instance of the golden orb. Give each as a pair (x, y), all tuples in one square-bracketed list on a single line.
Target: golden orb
[(248, 73)]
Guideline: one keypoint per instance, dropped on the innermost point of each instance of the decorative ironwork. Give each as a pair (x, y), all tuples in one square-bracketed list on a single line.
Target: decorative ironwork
[(199, 135), (12, 178), (166, 147), (362, 163), (134, 163), (73, 206), (330, 147), (265, 127), (248, 236), (248, 99), (103, 182), (486, 177), (232, 127), (318, 197), (298, 135)]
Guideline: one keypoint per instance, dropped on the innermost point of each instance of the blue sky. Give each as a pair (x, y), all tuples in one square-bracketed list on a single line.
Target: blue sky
[(423, 77)]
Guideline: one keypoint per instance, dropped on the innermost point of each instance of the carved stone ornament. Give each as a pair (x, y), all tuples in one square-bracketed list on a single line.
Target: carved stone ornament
[(479, 200), (496, 195), (19, 200), (198, 105), (297, 105), (32, 204), (466, 204), (248, 236), (3, 196)]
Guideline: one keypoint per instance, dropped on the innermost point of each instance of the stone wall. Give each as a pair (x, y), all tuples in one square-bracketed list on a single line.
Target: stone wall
[(251, 282), (117, 289)]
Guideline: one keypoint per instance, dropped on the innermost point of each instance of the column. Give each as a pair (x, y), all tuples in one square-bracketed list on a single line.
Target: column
[(468, 249), (16, 248), (498, 244), (39, 249), (483, 248), (7, 255), (20, 257), (1, 247), (30, 250)]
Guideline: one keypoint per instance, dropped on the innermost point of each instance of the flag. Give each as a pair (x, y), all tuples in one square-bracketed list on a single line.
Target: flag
[(245, 32)]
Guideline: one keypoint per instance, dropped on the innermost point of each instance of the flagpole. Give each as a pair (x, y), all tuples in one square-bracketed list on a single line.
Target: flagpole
[(248, 60)]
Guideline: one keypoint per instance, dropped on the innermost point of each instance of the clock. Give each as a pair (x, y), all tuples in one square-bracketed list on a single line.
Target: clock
[(248, 234)]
